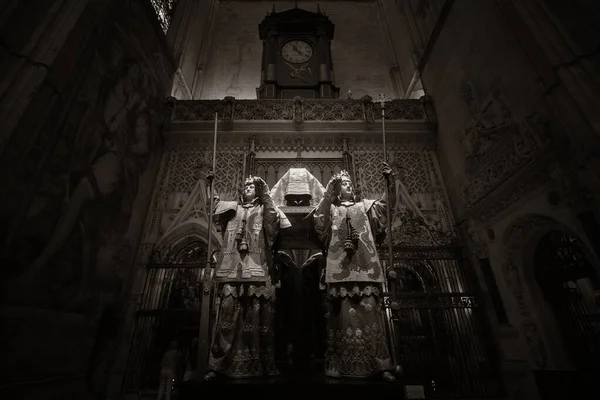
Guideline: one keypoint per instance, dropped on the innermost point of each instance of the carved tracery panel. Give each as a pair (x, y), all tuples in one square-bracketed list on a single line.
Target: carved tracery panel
[(182, 168), (421, 215)]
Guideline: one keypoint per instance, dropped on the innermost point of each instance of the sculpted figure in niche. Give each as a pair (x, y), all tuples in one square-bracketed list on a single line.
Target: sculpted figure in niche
[(242, 345), (349, 229)]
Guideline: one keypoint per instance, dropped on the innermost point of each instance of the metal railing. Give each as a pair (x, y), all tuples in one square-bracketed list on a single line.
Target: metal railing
[(169, 310), (440, 331)]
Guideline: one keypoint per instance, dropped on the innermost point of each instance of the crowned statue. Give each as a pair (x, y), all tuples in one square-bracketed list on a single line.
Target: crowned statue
[(349, 229), (242, 344)]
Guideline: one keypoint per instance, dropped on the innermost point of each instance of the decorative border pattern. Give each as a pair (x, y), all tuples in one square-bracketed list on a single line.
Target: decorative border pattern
[(299, 110)]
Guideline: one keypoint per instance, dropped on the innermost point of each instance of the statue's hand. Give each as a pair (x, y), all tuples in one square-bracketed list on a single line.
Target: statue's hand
[(386, 170), (210, 176), (330, 189), (264, 188)]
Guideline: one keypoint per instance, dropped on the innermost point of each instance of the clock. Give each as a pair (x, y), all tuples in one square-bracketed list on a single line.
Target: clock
[(296, 58), (296, 51)]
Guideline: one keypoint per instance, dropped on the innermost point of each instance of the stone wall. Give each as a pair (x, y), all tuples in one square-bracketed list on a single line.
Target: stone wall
[(475, 107), (82, 110), (508, 135), (360, 58)]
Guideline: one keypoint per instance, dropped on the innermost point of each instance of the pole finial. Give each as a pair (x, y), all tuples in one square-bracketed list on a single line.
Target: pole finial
[(381, 99)]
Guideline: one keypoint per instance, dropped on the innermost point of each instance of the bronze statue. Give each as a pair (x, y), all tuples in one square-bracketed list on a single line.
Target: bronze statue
[(243, 339), (349, 228)]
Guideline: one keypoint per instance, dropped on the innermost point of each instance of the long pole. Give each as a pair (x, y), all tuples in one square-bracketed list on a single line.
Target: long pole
[(389, 230), (204, 339), (212, 195), (387, 186)]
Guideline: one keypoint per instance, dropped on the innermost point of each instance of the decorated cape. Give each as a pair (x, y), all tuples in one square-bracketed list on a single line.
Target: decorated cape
[(259, 224), (355, 223)]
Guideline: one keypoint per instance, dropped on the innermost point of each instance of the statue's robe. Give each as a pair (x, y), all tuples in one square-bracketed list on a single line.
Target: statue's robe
[(243, 339), (356, 331)]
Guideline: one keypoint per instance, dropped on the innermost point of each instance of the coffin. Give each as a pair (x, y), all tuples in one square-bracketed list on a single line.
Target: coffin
[(297, 193)]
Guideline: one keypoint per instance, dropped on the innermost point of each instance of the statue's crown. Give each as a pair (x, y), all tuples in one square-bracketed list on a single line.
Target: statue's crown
[(250, 180), (343, 174)]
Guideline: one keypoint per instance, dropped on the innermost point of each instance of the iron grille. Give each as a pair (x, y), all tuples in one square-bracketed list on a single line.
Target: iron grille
[(562, 269), (169, 310), (440, 332)]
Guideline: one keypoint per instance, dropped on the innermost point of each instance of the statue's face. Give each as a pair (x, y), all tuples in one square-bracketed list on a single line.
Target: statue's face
[(346, 189), (249, 192)]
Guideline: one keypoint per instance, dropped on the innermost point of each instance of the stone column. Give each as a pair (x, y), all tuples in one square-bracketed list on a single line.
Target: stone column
[(397, 84), (197, 49), (178, 38), (322, 50), (268, 89), (324, 55), (37, 36), (571, 96), (560, 55), (271, 56)]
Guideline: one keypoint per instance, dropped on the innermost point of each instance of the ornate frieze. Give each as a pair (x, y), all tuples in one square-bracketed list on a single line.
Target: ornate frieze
[(304, 143), (300, 110)]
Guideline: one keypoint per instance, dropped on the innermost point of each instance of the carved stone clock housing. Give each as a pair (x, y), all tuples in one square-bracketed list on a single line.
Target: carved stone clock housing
[(296, 57)]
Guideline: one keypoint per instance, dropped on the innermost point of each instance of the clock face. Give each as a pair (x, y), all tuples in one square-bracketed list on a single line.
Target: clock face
[(296, 51)]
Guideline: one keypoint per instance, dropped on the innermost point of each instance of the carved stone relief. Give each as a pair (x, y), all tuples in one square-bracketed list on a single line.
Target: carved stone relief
[(478, 244), (497, 146), (517, 240), (485, 127), (535, 343)]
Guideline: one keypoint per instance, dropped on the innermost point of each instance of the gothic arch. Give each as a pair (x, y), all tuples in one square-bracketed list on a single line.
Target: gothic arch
[(532, 313), (176, 235), (406, 271)]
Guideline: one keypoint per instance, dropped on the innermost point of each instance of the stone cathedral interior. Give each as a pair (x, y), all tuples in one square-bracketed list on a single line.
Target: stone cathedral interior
[(113, 113)]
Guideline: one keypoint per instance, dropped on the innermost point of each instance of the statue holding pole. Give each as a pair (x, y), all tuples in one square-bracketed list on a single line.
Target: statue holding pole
[(349, 229), (242, 343)]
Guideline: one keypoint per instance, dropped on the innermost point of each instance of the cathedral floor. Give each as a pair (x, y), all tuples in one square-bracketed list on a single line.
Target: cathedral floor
[(294, 386)]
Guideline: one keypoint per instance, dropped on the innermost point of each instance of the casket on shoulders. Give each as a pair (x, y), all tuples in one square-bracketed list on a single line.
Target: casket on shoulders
[(297, 193)]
